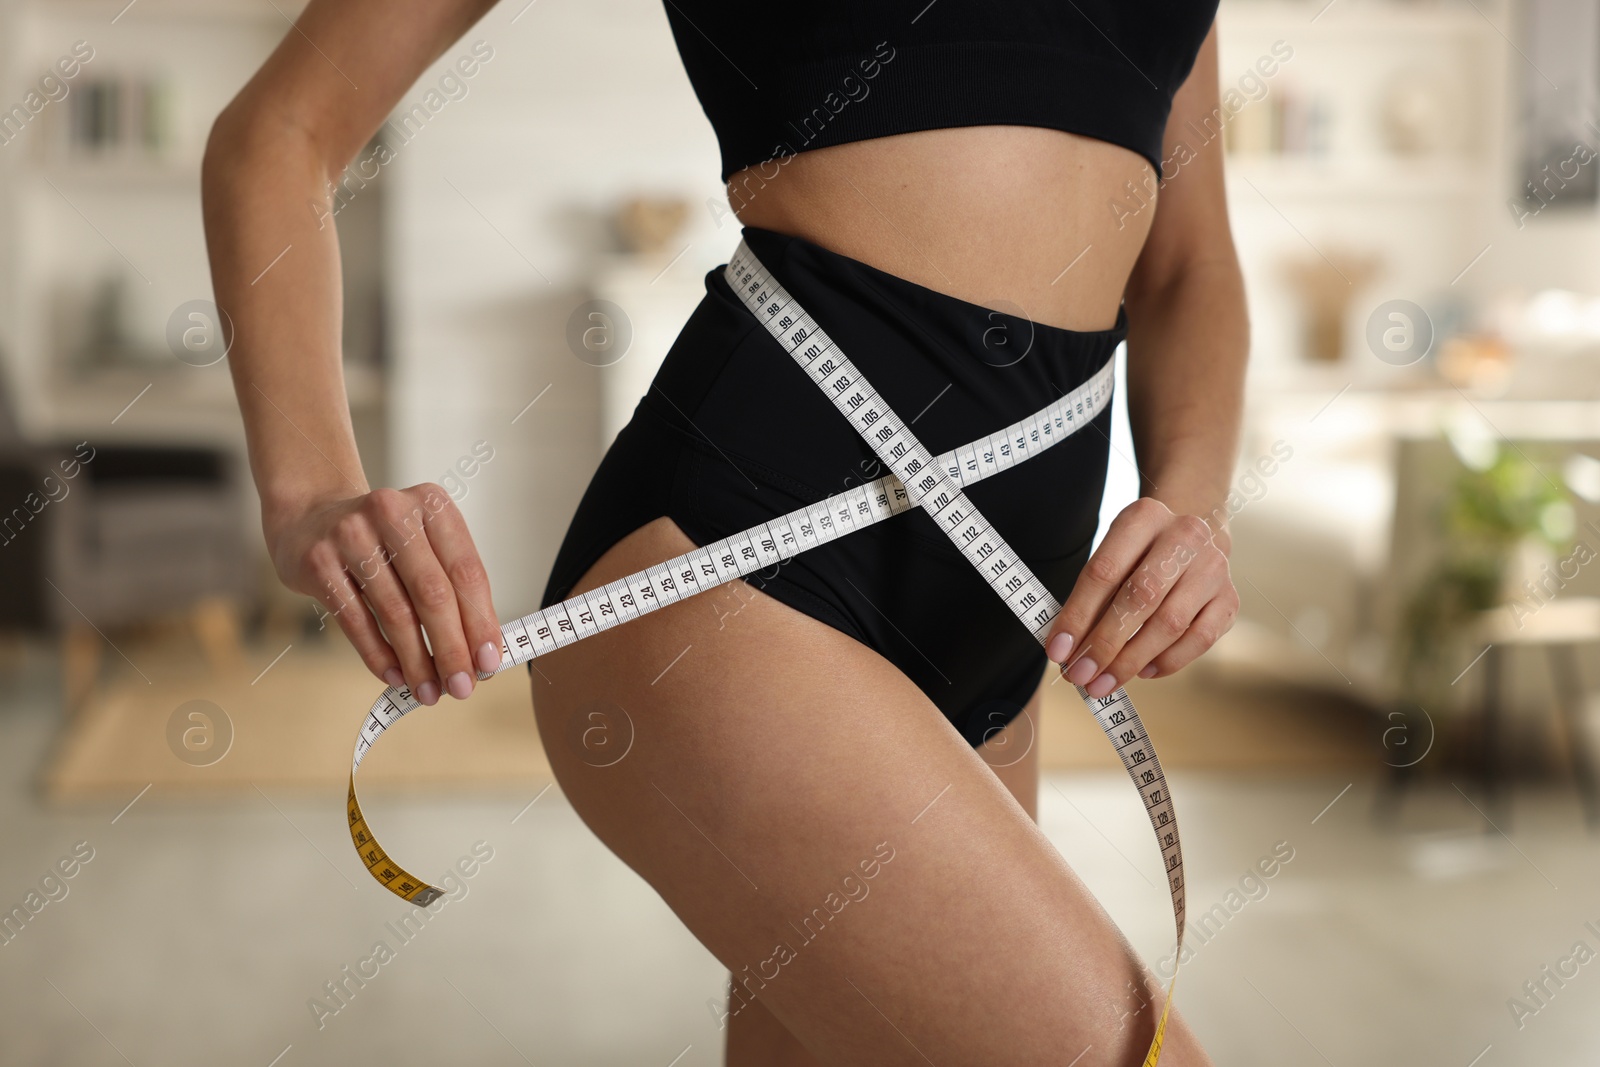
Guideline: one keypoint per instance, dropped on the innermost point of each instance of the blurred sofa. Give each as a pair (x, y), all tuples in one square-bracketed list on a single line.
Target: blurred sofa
[(96, 535)]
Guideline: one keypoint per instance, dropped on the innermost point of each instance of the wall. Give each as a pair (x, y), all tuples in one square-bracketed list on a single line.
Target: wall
[(497, 209)]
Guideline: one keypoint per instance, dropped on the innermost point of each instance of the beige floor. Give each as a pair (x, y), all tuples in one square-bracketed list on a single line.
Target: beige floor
[(206, 923)]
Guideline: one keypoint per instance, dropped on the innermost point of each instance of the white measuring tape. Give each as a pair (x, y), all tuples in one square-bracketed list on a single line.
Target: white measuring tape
[(919, 480)]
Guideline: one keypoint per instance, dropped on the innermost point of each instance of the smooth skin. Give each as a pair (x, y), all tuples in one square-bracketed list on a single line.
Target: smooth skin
[(776, 760)]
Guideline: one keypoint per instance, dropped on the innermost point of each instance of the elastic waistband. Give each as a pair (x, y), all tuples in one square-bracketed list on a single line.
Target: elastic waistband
[(951, 368), (990, 337)]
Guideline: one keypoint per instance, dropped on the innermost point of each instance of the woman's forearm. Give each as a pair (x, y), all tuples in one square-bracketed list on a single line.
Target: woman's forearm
[(396, 568), (275, 271), (1187, 347)]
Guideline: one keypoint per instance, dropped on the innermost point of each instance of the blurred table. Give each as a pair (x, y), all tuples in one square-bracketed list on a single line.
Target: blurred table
[(1558, 627)]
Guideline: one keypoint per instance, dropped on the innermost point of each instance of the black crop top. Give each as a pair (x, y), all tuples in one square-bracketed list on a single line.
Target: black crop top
[(780, 78)]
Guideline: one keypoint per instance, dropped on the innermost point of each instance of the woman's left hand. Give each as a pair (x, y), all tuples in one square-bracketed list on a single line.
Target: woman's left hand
[(1154, 595)]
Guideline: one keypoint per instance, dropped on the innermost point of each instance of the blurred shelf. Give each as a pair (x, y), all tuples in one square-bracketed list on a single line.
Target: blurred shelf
[(117, 172), (1362, 21), (168, 400), (119, 10), (1375, 176), (1423, 413)]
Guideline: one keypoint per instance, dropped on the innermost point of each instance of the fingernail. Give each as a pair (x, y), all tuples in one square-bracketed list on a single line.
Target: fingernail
[(1101, 686), (428, 693), (1148, 672), (460, 685), (1083, 670), (488, 658), (394, 677), (1059, 648)]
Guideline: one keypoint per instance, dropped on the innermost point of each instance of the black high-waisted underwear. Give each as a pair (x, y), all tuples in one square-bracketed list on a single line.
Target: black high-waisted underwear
[(733, 432)]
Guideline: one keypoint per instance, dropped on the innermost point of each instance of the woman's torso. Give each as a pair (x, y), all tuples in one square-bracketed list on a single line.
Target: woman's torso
[(978, 149), (1018, 218)]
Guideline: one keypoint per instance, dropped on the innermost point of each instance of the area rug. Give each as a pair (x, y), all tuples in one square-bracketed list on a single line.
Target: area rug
[(293, 713), (293, 721)]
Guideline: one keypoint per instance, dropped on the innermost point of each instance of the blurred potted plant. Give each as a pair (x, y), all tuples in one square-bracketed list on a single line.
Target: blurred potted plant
[(1501, 519)]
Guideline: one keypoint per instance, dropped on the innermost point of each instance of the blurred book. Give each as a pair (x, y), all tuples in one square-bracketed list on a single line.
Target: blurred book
[(125, 117), (1286, 123)]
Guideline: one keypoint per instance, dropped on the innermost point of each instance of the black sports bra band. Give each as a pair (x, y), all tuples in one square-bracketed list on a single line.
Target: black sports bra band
[(776, 80)]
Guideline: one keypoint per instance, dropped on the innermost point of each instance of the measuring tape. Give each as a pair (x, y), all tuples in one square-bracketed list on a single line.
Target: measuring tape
[(918, 480)]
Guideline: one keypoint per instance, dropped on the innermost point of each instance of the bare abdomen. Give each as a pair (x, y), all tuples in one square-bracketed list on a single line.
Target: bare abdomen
[(990, 214)]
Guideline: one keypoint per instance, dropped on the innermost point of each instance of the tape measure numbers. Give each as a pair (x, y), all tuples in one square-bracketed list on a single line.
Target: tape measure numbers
[(918, 480)]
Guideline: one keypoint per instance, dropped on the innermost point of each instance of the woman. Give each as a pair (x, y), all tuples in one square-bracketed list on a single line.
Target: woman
[(831, 779)]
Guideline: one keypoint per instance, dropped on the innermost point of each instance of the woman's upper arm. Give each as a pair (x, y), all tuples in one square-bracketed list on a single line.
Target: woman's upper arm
[(1191, 219), (341, 69)]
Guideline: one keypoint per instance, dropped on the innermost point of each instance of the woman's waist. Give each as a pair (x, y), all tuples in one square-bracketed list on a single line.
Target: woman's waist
[(952, 369), (1033, 221), (954, 372)]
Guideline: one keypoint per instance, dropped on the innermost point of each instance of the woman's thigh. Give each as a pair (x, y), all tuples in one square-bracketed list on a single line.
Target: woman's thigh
[(820, 827), (755, 1038), (1013, 754)]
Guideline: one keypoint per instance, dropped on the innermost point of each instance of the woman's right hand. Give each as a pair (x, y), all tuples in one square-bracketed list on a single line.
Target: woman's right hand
[(401, 559)]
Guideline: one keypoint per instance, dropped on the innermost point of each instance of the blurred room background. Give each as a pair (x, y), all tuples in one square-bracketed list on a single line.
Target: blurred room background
[(1406, 708)]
